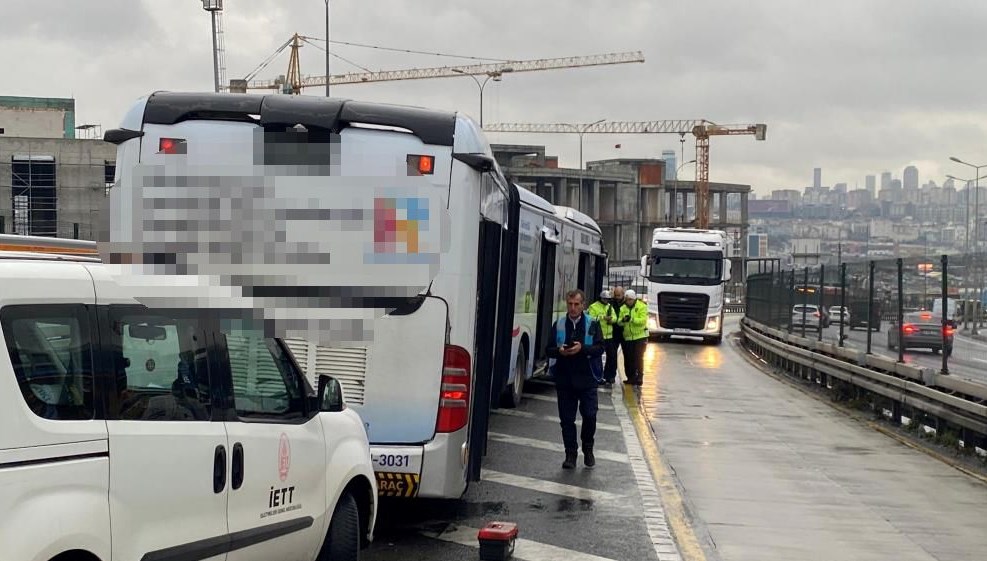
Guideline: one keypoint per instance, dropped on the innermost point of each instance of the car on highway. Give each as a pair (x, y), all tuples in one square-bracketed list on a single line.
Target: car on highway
[(839, 314), (808, 315), (921, 330)]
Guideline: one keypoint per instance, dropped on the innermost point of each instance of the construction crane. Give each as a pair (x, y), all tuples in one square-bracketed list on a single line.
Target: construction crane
[(700, 128), (293, 82), (215, 9)]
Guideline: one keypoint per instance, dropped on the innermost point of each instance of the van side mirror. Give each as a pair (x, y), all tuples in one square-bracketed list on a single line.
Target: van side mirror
[(727, 272), (645, 272), (330, 394)]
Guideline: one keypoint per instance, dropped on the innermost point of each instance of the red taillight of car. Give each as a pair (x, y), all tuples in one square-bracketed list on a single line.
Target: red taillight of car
[(816, 314), (454, 396), (948, 331), (909, 329)]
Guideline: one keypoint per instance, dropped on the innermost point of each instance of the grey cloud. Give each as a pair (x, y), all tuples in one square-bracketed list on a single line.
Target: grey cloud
[(854, 87)]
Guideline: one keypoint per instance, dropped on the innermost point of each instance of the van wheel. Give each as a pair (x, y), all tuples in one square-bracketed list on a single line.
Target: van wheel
[(512, 394), (343, 541)]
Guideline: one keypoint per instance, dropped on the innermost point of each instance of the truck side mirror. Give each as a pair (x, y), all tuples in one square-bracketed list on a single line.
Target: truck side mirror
[(645, 267), (727, 272)]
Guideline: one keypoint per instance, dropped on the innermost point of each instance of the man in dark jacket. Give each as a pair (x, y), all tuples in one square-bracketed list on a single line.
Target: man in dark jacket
[(577, 339)]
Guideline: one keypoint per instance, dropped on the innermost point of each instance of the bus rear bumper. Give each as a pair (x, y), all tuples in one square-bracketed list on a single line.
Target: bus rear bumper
[(436, 469)]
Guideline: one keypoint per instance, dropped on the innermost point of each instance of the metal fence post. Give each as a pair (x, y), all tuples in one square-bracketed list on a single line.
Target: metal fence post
[(870, 307), (842, 300), (805, 298), (791, 300), (901, 310), (822, 297), (945, 312)]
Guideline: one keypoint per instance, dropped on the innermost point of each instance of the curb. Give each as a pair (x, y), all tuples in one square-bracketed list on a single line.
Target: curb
[(665, 512)]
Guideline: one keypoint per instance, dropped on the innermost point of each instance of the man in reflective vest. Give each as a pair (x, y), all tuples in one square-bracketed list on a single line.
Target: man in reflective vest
[(633, 319), (606, 315), (577, 341)]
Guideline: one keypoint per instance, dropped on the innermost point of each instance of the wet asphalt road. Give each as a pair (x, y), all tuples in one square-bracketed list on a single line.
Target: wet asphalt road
[(765, 472), (592, 515), (773, 474)]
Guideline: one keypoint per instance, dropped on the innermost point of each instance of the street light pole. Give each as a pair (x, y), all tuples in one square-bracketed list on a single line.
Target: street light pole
[(976, 212), (328, 47), (495, 75), (581, 132), (675, 192)]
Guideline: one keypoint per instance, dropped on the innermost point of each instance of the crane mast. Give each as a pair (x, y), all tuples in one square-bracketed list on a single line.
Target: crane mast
[(215, 9)]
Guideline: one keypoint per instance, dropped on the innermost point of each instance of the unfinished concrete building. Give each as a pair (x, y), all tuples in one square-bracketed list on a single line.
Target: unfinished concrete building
[(628, 198)]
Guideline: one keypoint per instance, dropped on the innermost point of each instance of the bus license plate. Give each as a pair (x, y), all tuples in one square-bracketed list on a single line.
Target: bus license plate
[(397, 460)]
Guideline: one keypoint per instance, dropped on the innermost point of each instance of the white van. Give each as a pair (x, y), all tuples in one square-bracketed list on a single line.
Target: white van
[(131, 433)]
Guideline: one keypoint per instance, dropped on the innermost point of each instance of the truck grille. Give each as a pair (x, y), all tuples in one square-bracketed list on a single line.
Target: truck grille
[(682, 311)]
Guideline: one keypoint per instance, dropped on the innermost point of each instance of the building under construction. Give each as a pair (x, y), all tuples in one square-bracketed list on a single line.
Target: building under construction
[(51, 182), (628, 198)]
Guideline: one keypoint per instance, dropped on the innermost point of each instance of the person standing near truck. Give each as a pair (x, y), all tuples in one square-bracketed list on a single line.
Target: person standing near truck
[(633, 319), (577, 341), (605, 314)]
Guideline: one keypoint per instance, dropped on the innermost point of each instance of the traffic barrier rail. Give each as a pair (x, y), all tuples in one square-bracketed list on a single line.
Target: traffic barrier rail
[(950, 404)]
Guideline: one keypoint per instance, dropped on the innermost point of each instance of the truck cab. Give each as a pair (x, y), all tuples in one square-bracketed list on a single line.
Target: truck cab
[(685, 272)]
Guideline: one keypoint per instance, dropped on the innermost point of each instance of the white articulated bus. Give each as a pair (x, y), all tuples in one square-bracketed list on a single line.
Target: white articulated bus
[(438, 361)]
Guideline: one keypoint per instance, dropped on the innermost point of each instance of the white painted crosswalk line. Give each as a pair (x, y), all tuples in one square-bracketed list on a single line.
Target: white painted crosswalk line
[(530, 415), (540, 485), (525, 550), (552, 398), (554, 446)]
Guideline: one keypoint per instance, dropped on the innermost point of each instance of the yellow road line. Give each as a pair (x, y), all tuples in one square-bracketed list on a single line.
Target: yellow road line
[(675, 512)]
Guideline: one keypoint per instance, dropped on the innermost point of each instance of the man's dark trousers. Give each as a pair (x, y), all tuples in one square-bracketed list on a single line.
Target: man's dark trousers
[(586, 402), (633, 353), (610, 368)]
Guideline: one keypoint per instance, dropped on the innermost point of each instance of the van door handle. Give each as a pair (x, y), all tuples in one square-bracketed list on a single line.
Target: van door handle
[(219, 469), (237, 465)]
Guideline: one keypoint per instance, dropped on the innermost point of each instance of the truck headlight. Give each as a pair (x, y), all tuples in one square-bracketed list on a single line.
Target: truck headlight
[(653, 322), (713, 323)]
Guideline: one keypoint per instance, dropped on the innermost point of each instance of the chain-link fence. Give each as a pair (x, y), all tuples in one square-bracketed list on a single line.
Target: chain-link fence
[(927, 311)]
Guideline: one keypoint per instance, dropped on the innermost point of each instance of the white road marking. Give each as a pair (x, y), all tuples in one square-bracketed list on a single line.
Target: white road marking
[(530, 415), (532, 484), (553, 446), (553, 399), (525, 550), (654, 513)]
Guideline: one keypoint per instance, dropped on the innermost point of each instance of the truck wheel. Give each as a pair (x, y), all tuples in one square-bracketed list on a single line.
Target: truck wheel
[(512, 394), (343, 541)]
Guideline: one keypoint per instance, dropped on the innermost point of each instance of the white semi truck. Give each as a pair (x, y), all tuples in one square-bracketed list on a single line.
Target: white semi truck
[(686, 270)]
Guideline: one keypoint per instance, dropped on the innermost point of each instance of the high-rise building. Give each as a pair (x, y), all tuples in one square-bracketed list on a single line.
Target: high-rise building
[(910, 178), (895, 185), (817, 178), (871, 185), (670, 164), (840, 188), (886, 180)]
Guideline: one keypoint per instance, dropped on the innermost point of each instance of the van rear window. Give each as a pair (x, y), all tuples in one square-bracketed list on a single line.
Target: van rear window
[(51, 354)]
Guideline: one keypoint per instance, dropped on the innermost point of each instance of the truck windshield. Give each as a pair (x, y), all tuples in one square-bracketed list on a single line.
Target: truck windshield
[(676, 270)]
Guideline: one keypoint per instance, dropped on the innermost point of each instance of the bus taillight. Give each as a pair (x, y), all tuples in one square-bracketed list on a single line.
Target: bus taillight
[(454, 397)]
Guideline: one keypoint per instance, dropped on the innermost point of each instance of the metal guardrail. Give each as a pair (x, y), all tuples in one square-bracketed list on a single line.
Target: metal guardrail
[(952, 405)]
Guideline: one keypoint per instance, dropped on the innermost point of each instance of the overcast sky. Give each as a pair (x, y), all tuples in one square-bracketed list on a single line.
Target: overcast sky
[(856, 87)]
